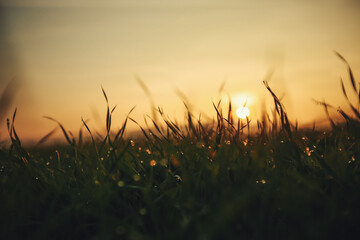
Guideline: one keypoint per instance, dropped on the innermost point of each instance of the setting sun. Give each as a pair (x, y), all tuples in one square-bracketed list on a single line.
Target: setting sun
[(243, 112)]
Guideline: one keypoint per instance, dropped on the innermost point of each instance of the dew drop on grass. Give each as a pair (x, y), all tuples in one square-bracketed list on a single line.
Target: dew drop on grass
[(352, 159), (96, 182), (178, 178), (136, 177), (163, 162), (121, 183), (47, 163), (132, 143), (142, 211), (263, 181), (153, 163)]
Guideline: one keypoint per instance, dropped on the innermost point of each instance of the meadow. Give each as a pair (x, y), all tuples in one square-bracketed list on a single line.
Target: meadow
[(197, 180)]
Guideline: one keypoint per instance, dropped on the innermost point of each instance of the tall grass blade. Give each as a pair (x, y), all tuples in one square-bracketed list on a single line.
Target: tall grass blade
[(92, 138), (150, 97), (62, 129), (351, 75), (47, 136)]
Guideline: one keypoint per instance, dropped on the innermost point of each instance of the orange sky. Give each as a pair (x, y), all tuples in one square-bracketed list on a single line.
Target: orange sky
[(65, 51)]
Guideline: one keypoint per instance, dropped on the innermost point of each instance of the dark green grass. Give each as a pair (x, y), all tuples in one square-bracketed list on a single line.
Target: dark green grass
[(197, 181)]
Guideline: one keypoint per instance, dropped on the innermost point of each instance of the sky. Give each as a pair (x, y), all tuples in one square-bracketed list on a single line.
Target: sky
[(64, 51)]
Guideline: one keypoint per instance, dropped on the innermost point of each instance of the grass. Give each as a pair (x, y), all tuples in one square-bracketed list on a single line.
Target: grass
[(195, 181)]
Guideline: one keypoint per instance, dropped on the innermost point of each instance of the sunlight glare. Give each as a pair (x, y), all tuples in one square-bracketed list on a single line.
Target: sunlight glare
[(243, 112)]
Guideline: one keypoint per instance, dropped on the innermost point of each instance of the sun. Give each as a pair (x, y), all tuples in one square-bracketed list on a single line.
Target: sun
[(242, 112)]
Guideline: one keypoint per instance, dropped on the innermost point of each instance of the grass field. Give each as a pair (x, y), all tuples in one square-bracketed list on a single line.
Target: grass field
[(193, 181)]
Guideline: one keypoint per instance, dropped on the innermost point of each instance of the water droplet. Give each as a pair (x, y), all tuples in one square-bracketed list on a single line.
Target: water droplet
[(178, 178), (132, 143), (47, 163), (148, 151), (153, 163), (96, 182), (136, 177), (164, 162), (121, 183), (142, 211)]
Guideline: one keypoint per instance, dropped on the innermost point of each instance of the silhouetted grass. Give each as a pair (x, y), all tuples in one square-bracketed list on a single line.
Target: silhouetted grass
[(200, 180)]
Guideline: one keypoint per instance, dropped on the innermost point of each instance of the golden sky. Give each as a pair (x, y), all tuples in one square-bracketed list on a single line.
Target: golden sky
[(65, 50)]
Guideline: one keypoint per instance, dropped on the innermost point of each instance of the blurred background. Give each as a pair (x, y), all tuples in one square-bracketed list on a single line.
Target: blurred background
[(55, 55)]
